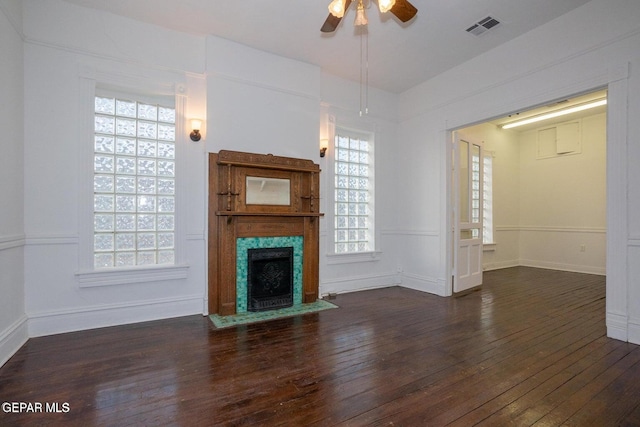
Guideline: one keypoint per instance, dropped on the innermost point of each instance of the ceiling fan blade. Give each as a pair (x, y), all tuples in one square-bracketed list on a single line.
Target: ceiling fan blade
[(332, 22), (404, 10)]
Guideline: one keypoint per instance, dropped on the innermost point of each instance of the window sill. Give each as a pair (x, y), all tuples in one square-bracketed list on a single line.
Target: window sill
[(489, 247), (348, 258), (121, 276)]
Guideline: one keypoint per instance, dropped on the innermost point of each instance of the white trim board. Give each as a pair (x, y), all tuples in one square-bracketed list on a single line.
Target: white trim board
[(61, 321), (12, 338)]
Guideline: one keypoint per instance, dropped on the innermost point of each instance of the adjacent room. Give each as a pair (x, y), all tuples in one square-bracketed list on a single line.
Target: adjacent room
[(319, 213), (544, 201)]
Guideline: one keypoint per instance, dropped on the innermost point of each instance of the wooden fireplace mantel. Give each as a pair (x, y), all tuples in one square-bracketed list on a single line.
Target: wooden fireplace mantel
[(299, 214), (233, 216)]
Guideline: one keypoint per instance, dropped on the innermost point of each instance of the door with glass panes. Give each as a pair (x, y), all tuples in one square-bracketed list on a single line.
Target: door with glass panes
[(467, 185)]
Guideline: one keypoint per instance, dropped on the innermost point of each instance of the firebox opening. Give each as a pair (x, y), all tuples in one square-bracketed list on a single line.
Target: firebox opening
[(269, 278)]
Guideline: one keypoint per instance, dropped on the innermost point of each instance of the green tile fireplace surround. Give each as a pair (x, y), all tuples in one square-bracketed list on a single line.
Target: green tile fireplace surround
[(243, 244)]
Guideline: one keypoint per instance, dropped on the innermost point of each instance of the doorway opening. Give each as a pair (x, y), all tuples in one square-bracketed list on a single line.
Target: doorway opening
[(545, 197)]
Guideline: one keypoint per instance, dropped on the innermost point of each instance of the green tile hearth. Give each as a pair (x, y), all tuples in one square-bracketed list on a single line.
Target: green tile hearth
[(262, 316)]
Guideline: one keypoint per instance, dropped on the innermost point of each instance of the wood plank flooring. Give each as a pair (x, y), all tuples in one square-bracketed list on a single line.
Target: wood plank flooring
[(529, 348)]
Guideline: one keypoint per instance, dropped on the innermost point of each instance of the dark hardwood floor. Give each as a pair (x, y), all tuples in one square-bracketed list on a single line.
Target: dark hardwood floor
[(530, 348)]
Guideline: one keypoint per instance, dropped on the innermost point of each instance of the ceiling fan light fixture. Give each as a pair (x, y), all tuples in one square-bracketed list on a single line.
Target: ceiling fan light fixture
[(361, 18), (336, 8), (386, 5)]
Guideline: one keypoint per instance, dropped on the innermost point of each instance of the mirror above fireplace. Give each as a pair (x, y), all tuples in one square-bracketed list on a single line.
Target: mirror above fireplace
[(268, 191)]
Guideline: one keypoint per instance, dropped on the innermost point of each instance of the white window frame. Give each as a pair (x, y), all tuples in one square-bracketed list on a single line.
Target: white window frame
[(347, 257), (109, 196), (142, 89)]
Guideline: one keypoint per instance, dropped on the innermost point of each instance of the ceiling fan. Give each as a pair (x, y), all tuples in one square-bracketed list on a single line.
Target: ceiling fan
[(402, 9)]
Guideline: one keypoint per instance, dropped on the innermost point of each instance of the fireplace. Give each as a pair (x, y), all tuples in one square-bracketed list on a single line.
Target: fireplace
[(269, 278), (262, 204), (265, 250)]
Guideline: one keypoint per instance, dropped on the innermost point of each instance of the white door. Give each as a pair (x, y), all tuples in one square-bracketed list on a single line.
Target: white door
[(467, 185)]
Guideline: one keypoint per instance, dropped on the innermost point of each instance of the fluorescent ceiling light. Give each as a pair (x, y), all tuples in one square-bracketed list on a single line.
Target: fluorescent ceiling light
[(556, 114)]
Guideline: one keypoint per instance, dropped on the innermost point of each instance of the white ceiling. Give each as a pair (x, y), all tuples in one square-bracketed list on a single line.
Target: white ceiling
[(400, 55)]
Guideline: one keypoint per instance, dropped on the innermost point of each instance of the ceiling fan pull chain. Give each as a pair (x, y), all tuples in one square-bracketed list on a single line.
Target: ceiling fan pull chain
[(366, 99), (361, 80), (364, 72)]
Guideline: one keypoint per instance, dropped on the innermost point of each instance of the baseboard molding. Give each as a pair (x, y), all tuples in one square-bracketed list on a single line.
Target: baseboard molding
[(601, 271), (431, 285), (634, 331), (12, 338), (357, 283), (57, 322), (500, 265), (617, 326)]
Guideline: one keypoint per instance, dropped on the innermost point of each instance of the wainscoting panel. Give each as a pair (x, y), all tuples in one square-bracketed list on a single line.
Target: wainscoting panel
[(358, 283), (577, 249), (431, 285), (60, 321)]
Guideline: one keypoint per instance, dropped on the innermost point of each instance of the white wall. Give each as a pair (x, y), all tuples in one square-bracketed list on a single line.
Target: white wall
[(418, 189), (253, 101), (68, 51), (546, 210), (13, 321), (346, 273), (262, 103), (592, 47), (563, 203), (250, 100)]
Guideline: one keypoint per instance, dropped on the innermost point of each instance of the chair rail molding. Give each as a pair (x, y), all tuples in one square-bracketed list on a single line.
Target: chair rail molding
[(12, 241)]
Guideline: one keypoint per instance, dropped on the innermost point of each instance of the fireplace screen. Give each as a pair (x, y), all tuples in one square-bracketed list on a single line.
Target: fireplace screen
[(269, 278)]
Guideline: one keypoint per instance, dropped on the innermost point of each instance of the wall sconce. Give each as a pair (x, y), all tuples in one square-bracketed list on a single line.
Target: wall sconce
[(195, 132), (324, 144)]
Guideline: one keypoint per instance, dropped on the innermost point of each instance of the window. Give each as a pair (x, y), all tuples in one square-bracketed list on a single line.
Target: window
[(487, 196), (133, 183), (487, 203), (353, 218)]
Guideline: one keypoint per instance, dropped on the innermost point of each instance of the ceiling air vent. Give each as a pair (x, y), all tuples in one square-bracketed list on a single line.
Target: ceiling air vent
[(483, 26)]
